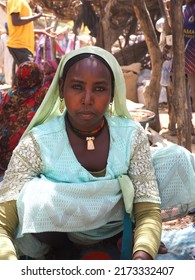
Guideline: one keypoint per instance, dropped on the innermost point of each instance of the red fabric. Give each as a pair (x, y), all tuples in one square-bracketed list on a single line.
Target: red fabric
[(96, 255), (19, 106)]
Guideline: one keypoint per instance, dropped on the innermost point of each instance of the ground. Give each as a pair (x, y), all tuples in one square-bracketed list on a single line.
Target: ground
[(180, 223), (164, 119)]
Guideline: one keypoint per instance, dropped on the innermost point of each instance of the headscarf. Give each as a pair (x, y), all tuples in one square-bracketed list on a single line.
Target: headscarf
[(49, 67), (50, 105), (19, 106)]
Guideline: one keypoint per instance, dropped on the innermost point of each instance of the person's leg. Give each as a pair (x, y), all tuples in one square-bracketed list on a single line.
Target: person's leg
[(61, 246), (191, 82), (19, 56), (8, 60)]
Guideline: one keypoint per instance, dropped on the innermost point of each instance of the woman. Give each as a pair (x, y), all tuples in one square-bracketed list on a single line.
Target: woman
[(49, 68), (80, 165), (18, 108)]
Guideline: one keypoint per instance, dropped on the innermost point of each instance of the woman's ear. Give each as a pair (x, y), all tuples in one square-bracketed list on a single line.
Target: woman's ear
[(61, 86), (112, 98)]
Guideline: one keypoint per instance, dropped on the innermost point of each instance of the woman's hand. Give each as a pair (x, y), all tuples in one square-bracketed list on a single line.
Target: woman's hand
[(141, 255)]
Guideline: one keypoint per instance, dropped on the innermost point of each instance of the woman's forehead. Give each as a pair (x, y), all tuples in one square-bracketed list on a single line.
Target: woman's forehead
[(89, 64)]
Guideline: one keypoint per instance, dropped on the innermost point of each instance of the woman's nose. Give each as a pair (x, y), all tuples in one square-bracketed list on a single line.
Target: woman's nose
[(87, 99)]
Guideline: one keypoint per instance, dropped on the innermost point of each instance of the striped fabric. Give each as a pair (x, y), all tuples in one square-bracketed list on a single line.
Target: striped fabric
[(189, 37)]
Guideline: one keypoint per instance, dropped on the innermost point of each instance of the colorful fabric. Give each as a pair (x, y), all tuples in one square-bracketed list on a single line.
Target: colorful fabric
[(18, 107), (20, 36), (189, 37), (43, 49), (49, 67)]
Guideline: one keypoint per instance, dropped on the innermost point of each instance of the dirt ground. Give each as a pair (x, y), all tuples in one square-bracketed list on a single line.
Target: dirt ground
[(164, 119)]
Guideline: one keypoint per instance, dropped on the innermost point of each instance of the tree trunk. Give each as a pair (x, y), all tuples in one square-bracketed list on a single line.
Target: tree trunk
[(113, 19), (152, 92), (181, 101)]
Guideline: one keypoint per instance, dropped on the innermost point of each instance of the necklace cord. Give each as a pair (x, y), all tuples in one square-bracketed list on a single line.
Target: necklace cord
[(89, 136)]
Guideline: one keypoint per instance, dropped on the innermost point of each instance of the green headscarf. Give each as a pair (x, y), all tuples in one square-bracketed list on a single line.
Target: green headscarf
[(50, 105)]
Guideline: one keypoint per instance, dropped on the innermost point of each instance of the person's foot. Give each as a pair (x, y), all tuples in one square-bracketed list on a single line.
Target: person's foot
[(162, 249)]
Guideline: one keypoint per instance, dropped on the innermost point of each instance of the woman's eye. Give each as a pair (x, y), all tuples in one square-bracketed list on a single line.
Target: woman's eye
[(77, 86), (99, 88)]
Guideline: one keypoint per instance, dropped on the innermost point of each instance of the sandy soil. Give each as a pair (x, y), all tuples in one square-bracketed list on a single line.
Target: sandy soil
[(164, 119)]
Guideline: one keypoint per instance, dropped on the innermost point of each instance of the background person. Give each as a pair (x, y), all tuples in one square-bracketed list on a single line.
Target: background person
[(21, 40), (21, 30), (189, 39), (6, 59), (49, 67), (18, 108), (189, 42)]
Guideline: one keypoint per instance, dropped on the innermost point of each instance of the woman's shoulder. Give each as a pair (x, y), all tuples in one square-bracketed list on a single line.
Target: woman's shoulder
[(116, 121), (53, 125)]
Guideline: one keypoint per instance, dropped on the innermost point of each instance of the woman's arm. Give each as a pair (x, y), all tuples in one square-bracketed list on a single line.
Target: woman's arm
[(147, 233), (8, 224), (18, 21), (24, 165), (147, 214)]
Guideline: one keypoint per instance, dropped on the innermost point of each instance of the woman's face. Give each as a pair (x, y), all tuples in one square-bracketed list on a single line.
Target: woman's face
[(87, 92)]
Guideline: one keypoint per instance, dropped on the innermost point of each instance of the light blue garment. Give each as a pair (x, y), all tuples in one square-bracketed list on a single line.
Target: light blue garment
[(58, 156), (60, 184), (175, 171), (88, 208)]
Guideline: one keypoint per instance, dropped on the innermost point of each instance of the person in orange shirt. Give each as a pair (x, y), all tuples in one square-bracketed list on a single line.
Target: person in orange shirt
[(21, 39), (21, 30)]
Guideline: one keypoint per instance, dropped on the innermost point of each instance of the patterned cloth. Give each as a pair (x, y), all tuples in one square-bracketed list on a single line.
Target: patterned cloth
[(18, 108), (189, 37), (89, 209), (44, 49), (49, 68)]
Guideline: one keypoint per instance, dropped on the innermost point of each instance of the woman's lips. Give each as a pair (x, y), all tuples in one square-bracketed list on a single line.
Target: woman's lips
[(86, 115)]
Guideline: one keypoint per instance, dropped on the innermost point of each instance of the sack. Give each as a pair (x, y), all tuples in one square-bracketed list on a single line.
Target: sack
[(131, 73)]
